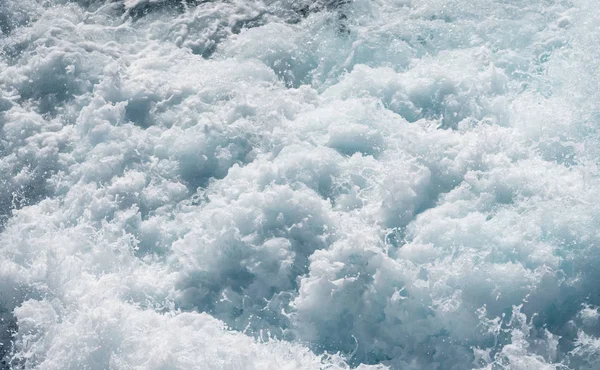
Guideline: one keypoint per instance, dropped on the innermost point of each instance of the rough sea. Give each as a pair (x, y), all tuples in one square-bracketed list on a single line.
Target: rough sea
[(309, 184)]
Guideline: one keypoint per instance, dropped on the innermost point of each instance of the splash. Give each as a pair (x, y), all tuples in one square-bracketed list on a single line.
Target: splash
[(277, 184)]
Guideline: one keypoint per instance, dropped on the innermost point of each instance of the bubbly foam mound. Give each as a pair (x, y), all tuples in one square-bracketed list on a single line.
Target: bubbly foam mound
[(279, 184)]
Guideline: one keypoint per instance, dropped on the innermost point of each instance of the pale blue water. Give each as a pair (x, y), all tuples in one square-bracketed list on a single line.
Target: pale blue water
[(278, 184)]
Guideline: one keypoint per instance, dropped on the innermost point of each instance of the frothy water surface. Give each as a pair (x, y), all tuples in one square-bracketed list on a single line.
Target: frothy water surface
[(279, 184)]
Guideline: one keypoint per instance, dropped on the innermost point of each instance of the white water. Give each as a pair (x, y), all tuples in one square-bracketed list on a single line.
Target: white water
[(403, 184)]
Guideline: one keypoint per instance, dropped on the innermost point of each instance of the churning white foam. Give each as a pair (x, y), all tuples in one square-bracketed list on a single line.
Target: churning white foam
[(278, 184)]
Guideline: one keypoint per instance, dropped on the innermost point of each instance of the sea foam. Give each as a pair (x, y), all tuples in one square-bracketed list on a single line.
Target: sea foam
[(279, 184)]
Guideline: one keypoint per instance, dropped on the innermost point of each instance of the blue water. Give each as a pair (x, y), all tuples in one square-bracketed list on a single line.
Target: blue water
[(279, 184)]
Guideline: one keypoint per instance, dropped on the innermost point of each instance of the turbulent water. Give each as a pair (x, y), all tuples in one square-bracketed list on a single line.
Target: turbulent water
[(279, 184)]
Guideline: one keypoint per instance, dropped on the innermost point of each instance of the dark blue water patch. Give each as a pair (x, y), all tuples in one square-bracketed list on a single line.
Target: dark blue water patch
[(17, 195), (11, 52), (168, 6), (138, 111), (12, 295), (285, 12), (12, 16), (8, 326)]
